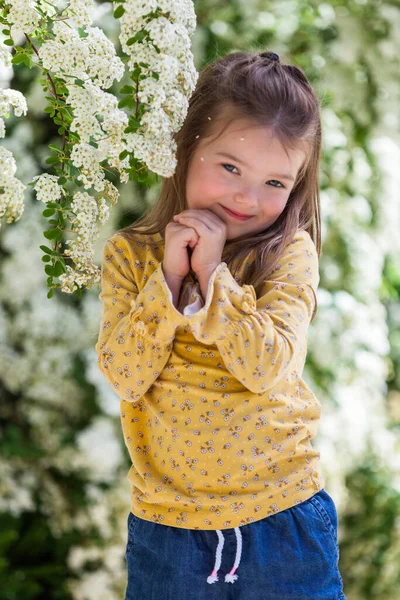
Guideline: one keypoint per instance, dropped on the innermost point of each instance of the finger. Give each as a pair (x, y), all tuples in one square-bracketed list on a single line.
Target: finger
[(207, 217)]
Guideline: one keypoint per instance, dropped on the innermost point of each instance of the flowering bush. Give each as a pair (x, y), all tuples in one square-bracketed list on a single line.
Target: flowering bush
[(79, 63), (63, 487)]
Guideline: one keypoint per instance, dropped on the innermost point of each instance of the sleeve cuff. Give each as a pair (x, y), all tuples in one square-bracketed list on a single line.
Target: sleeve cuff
[(153, 313), (226, 302), (196, 299)]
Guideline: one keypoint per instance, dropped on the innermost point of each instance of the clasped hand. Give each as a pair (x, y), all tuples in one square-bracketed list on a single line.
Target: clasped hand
[(212, 232)]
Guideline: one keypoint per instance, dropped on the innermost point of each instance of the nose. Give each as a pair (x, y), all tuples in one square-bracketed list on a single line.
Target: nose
[(247, 196)]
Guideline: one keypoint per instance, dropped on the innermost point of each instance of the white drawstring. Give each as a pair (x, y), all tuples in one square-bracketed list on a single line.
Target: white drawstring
[(229, 577)]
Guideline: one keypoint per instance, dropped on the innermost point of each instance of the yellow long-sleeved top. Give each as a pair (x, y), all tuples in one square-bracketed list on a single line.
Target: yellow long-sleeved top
[(215, 414)]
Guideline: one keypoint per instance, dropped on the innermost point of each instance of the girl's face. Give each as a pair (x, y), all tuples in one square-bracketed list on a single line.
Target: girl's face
[(255, 180)]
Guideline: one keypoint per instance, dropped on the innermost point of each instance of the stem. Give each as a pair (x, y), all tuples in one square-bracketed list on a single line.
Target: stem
[(49, 77), (60, 11)]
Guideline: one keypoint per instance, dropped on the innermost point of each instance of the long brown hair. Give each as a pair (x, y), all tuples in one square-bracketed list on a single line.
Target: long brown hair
[(274, 95)]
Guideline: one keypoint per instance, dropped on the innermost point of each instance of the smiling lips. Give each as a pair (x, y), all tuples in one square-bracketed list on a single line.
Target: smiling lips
[(237, 216)]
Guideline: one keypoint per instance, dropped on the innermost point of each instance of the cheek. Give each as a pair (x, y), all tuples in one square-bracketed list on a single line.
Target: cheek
[(205, 183), (274, 204)]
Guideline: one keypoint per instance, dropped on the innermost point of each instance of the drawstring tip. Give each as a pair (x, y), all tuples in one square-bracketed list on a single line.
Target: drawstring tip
[(230, 578)]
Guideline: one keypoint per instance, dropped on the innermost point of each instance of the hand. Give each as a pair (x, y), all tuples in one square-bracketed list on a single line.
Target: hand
[(176, 263), (211, 232)]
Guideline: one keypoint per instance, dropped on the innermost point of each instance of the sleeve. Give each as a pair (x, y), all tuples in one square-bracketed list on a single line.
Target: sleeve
[(137, 327), (260, 339)]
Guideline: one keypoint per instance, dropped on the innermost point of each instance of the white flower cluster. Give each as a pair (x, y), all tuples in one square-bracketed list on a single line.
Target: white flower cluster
[(91, 57), (10, 98), (96, 118), (77, 11), (5, 57), (70, 56), (167, 98), (87, 210), (22, 16), (47, 189), (87, 159), (11, 189), (88, 102), (81, 11)]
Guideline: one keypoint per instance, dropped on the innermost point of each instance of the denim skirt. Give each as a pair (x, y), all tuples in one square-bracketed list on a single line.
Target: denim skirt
[(291, 555)]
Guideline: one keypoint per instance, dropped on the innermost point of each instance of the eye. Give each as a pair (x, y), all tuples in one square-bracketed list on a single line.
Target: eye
[(280, 185), (228, 165), (274, 180)]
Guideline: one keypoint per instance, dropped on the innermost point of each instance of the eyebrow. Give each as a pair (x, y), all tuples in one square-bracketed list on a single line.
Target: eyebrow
[(281, 175)]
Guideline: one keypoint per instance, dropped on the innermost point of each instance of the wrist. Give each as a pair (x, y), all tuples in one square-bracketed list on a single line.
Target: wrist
[(174, 284), (204, 280), (204, 276)]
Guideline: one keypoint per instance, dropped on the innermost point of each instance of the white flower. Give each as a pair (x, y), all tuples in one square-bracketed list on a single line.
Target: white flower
[(22, 16), (47, 188), (81, 11), (11, 98), (5, 57), (87, 159), (103, 64), (166, 97), (11, 189)]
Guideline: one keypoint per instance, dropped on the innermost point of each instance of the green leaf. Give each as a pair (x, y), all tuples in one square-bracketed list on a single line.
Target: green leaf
[(58, 269), (127, 101), (18, 58), (123, 102), (49, 270), (40, 11), (8, 43), (135, 73), (50, 294), (5, 31), (48, 212), (54, 148), (138, 37), (119, 12), (27, 60), (127, 89), (46, 258), (53, 234), (46, 249), (62, 180), (123, 154), (52, 160)]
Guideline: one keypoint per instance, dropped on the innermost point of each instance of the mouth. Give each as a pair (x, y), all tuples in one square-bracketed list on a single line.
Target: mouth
[(237, 216)]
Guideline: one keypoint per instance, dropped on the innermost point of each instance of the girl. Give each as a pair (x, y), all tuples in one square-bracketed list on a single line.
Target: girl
[(206, 310)]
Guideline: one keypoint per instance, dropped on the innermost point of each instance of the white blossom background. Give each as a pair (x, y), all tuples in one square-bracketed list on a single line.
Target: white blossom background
[(49, 374)]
